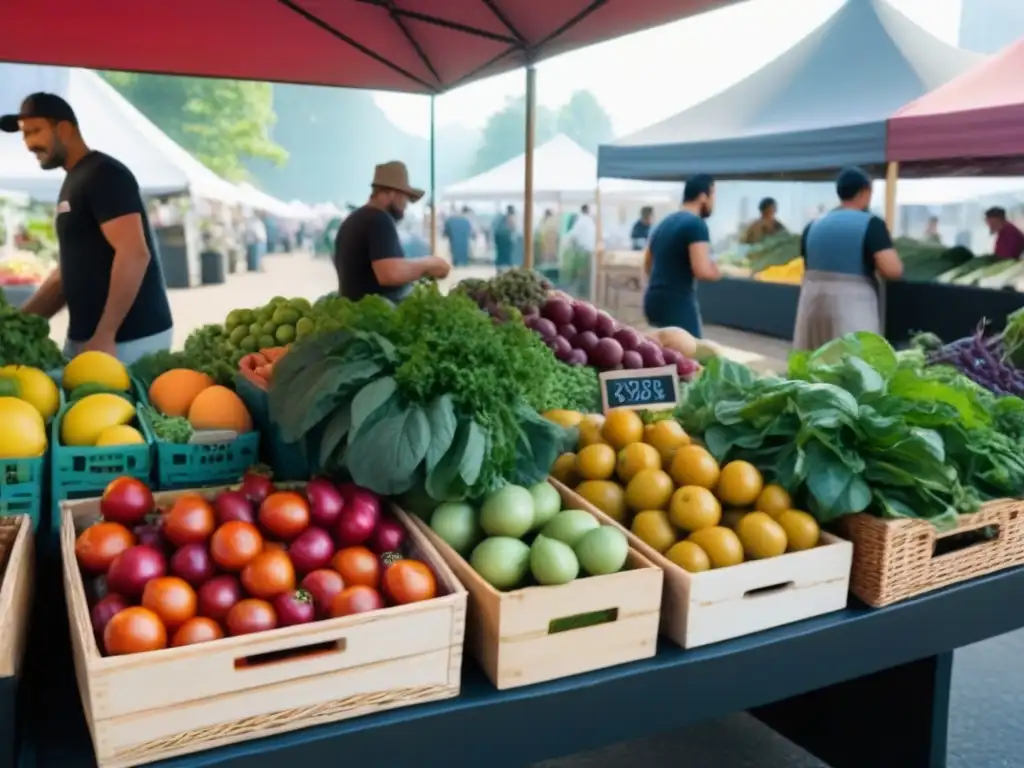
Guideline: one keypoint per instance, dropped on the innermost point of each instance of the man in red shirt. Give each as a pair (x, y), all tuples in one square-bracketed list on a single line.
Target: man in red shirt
[(1009, 239)]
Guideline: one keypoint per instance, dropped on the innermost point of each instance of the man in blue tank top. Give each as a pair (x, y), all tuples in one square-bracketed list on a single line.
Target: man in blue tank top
[(843, 251), (678, 254)]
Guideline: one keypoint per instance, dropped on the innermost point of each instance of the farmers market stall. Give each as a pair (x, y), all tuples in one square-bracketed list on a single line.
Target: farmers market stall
[(501, 498)]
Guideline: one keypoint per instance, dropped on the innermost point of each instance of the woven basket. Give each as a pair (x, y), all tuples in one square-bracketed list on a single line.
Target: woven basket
[(894, 560)]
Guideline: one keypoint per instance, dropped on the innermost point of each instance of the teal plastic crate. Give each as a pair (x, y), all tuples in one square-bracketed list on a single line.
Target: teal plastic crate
[(22, 482), (287, 460)]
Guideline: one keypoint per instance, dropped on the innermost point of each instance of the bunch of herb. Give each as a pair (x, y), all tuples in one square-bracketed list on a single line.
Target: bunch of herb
[(851, 430), (429, 394), (521, 288), (168, 429), (25, 340), (148, 367), (209, 350)]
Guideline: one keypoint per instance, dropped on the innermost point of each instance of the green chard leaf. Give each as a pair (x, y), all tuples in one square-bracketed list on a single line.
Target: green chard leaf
[(336, 429), (370, 398), (459, 469), (385, 457), (443, 424)]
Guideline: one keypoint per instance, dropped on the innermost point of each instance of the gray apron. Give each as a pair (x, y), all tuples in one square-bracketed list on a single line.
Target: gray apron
[(833, 304)]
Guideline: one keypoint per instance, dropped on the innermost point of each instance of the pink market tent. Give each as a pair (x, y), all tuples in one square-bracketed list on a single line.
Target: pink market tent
[(417, 46), (971, 126)]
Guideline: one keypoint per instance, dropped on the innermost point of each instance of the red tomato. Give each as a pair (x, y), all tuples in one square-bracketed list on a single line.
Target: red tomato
[(359, 599), (269, 574), (98, 545), (409, 581), (134, 630), (234, 544), (197, 630), (284, 515), (171, 598), (357, 566), (190, 520), (250, 616), (126, 500)]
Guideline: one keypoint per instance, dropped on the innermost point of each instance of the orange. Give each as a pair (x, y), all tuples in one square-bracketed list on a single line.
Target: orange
[(622, 427), (693, 465), (649, 489)]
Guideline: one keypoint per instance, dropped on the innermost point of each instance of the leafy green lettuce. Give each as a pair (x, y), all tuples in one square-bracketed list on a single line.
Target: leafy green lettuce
[(853, 429)]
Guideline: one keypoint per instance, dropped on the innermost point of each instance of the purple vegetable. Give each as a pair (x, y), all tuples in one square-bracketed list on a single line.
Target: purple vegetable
[(605, 324), (584, 316), (561, 347), (651, 353), (558, 311), (607, 354), (545, 328), (671, 356), (586, 340), (567, 331), (686, 367), (628, 338), (577, 357), (631, 359)]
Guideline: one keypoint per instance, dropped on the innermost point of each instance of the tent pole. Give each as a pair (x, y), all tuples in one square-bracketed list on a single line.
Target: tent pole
[(433, 180), (892, 177), (531, 131), (597, 257)]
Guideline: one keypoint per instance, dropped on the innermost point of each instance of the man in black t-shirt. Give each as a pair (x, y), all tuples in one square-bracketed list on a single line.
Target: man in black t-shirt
[(368, 255), (109, 276)]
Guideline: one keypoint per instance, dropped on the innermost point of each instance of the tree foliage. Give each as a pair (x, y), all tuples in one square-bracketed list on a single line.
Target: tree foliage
[(582, 119), (221, 122)]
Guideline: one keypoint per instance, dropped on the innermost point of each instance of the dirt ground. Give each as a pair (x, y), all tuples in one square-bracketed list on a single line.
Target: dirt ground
[(301, 275)]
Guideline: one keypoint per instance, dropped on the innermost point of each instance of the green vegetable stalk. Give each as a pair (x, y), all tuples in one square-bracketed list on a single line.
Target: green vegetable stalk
[(169, 429)]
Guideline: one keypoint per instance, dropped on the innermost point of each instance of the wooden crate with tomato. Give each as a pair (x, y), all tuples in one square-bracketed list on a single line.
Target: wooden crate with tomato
[(17, 581), (157, 676)]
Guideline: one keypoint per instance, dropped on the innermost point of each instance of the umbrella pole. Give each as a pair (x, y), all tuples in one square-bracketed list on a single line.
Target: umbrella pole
[(433, 186), (531, 129), (892, 177)]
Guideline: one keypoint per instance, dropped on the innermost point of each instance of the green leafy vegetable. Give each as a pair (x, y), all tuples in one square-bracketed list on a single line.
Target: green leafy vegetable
[(25, 340)]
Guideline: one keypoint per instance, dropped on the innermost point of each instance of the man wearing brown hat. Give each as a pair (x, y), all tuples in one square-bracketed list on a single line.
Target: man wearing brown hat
[(109, 275), (367, 252)]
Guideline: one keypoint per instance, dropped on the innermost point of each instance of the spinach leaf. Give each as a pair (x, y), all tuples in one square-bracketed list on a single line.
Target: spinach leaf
[(371, 397), (443, 423), (335, 431), (460, 467), (385, 457)]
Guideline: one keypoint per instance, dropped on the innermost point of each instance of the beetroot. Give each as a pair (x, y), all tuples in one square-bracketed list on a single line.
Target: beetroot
[(671, 356), (686, 368), (605, 324), (325, 502), (567, 332), (134, 567), (294, 608), (545, 328), (558, 311), (256, 486), (586, 340), (577, 357), (651, 354), (104, 611), (560, 346), (358, 519), (311, 549), (631, 359), (233, 505), (388, 537), (584, 316), (323, 585), (607, 354), (151, 534), (218, 596), (628, 338), (193, 563)]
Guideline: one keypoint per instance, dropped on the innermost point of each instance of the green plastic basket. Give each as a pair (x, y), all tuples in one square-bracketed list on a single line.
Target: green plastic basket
[(23, 483), (288, 460), (82, 472), (181, 466)]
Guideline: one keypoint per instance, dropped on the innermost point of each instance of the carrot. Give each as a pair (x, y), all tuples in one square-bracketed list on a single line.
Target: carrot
[(273, 354), (247, 363), (264, 372)]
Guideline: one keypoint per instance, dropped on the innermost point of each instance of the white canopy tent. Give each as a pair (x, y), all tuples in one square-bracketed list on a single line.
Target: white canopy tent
[(563, 172), (110, 124), (261, 201)]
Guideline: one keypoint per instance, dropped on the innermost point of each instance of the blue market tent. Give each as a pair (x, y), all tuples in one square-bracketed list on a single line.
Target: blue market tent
[(821, 105)]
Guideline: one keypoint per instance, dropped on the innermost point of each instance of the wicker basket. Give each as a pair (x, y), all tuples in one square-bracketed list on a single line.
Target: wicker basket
[(894, 560)]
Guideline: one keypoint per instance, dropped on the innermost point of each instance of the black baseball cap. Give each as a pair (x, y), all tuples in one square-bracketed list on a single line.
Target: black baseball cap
[(45, 105)]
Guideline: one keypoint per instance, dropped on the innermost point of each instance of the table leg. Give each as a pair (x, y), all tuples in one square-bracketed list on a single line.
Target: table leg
[(897, 718)]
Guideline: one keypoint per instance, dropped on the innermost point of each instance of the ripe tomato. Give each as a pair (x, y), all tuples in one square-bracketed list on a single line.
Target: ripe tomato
[(409, 581), (284, 515), (190, 520), (197, 630), (234, 544), (98, 545), (250, 616), (134, 630), (126, 500), (269, 574), (171, 598), (357, 566), (358, 599)]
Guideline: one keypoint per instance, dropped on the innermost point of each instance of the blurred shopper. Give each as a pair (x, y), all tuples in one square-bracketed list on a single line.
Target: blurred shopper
[(368, 253), (679, 254), (109, 274), (931, 231), (641, 230), (578, 254), (843, 251), (1009, 239), (547, 238), (256, 238), (458, 230), (766, 225), (505, 238)]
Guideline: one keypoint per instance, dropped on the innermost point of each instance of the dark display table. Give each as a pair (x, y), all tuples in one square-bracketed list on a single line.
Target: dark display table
[(769, 309), (857, 688)]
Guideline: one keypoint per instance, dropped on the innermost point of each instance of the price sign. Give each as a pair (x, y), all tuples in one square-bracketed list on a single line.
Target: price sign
[(643, 389)]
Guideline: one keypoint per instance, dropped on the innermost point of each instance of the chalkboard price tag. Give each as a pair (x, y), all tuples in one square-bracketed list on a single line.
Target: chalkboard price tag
[(642, 389)]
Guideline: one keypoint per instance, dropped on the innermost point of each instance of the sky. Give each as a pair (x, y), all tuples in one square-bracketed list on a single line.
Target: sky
[(628, 75)]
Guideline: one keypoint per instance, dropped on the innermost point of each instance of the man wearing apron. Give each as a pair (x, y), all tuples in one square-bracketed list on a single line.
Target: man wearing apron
[(843, 250)]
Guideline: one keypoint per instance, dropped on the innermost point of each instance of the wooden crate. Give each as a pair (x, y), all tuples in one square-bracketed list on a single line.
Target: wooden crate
[(153, 706), (17, 582), (703, 608), (516, 637), (896, 559)]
